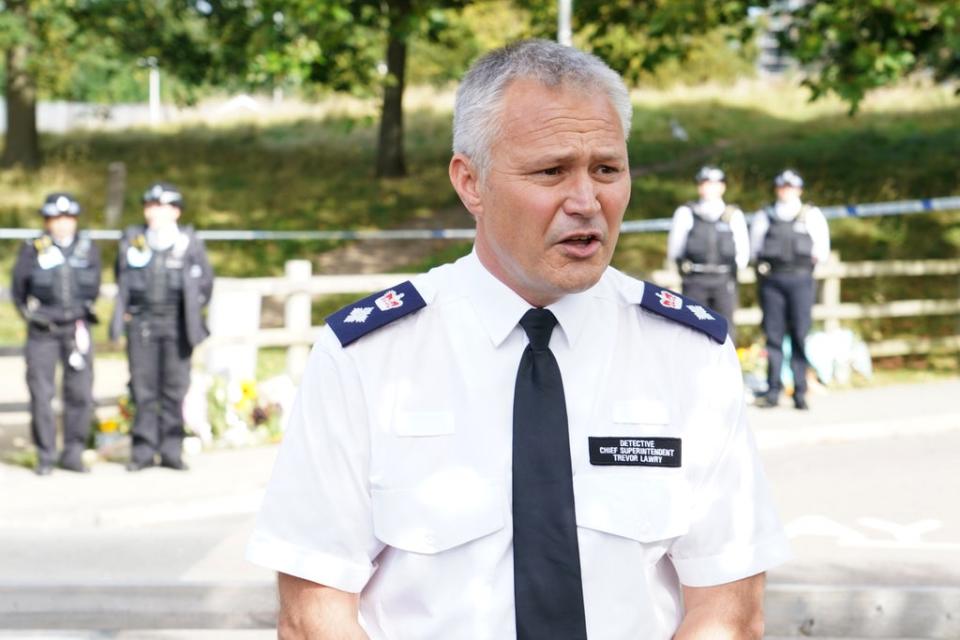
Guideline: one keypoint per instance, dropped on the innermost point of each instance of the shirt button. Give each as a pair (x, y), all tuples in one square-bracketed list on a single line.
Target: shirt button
[(430, 540)]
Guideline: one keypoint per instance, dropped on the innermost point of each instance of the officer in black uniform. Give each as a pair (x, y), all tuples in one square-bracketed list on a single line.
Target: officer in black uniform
[(164, 282), (708, 241), (56, 280), (787, 239)]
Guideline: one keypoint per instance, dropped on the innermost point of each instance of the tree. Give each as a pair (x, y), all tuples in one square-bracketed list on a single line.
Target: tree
[(854, 46), (355, 45), (46, 41), (22, 145), (635, 37), (847, 47)]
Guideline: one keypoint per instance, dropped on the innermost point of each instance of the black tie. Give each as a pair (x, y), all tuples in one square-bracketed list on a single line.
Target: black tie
[(546, 560)]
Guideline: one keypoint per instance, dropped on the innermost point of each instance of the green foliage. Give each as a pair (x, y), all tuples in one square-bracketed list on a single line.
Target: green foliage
[(638, 37), (857, 46)]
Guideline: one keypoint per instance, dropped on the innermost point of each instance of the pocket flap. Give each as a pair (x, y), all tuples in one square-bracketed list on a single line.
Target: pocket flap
[(643, 509), (423, 520)]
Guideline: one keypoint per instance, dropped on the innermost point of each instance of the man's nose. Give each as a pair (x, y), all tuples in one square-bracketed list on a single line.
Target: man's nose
[(582, 197)]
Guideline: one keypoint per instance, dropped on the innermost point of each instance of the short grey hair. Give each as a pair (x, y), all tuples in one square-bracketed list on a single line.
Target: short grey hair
[(477, 110)]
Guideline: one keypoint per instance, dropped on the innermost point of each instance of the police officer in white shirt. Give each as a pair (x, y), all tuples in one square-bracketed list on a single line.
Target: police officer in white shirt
[(525, 443), (787, 239), (708, 241)]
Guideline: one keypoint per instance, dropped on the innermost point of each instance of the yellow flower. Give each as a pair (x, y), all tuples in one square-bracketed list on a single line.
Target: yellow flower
[(109, 426), (248, 390)]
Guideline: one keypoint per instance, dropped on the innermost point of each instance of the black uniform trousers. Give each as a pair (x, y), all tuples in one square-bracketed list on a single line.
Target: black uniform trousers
[(719, 292), (45, 348), (787, 301), (159, 358)]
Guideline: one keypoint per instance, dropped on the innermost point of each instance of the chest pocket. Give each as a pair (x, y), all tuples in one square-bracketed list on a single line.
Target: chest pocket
[(644, 507), (445, 511), (41, 284)]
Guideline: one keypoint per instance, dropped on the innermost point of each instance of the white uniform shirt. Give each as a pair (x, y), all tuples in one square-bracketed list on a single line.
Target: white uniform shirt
[(394, 477), (711, 211), (815, 224)]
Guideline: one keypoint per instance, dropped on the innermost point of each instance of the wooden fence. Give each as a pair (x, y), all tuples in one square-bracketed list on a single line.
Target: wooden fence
[(300, 286)]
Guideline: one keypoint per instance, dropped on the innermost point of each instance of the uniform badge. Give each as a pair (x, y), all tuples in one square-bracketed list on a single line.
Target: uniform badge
[(137, 258), (50, 257), (358, 314), (670, 300), (390, 300), (700, 312)]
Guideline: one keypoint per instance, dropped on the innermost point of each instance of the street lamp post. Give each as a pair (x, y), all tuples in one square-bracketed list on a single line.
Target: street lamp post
[(564, 30), (154, 88)]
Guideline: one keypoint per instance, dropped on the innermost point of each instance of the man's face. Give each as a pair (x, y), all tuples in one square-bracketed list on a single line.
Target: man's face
[(711, 189), (159, 216), (788, 193), (61, 227), (549, 209)]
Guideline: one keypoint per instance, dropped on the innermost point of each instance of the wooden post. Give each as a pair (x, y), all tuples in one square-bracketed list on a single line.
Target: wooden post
[(116, 186), (831, 295), (234, 313), (297, 314)]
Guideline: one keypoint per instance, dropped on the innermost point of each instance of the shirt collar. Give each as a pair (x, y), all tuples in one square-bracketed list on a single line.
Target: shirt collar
[(788, 209), (499, 308), (711, 209)]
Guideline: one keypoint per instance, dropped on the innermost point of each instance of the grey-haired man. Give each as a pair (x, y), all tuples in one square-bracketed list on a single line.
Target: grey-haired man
[(525, 443)]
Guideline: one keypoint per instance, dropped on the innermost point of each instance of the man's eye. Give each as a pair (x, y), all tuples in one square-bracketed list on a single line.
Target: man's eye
[(606, 168), (552, 171)]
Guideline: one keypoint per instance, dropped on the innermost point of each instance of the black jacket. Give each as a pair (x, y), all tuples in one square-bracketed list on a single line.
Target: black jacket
[(56, 285), (197, 277)]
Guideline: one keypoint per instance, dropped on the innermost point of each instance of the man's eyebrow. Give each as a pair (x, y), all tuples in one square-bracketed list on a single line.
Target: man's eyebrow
[(556, 159)]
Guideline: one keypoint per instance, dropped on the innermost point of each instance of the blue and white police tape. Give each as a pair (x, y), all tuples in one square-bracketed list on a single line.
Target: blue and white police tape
[(869, 210)]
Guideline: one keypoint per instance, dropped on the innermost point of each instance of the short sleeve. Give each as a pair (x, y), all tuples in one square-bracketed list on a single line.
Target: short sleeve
[(315, 521), (735, 531)]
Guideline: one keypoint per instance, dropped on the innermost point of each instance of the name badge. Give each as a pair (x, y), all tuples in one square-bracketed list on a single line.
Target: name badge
[(633, 451)]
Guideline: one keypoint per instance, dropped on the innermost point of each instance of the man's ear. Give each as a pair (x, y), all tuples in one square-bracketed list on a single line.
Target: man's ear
[(466, 181)]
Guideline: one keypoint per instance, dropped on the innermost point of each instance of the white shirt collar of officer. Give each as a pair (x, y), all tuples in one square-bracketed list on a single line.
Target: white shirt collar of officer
[(787, 209), (163, 238), (711, 210), (499, 308), (64, 243)]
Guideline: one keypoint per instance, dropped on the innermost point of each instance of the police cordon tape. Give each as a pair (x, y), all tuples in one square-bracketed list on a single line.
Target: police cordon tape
[(868, 210)]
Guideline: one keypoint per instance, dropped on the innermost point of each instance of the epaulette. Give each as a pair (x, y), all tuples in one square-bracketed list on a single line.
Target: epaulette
[(41, 243), (673, 306), (728, 212), (376, 310)]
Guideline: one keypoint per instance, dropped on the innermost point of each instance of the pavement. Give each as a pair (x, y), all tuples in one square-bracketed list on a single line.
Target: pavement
[(159, 554)]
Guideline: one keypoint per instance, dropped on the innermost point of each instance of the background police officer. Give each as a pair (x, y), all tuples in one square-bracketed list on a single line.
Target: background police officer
[(56, 280), (164, 281), (787, 239), (708, 241)]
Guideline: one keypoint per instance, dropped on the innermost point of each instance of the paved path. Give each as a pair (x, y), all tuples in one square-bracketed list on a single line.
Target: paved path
[(866, 483)]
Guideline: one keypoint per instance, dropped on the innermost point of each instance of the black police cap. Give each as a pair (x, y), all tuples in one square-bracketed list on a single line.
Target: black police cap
[(163, 193), (788, 178), (710, 173), (60, 204)]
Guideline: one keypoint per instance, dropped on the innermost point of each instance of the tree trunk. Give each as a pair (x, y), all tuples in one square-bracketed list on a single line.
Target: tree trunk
[(390, 158), (22, 144)]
